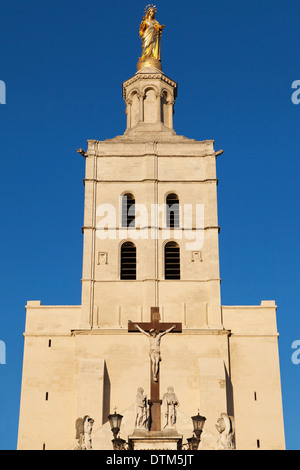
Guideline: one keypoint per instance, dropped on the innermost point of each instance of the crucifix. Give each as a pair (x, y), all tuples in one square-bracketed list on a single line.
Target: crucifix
[(155, 331)]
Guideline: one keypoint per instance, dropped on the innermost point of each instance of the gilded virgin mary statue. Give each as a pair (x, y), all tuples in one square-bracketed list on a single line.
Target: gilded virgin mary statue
[(150, 34)]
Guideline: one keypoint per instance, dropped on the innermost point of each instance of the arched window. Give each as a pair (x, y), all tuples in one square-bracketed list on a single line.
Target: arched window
[(172, 204), (172, 261), (128, 210), (165, 110), (128, 261), (150, 106)]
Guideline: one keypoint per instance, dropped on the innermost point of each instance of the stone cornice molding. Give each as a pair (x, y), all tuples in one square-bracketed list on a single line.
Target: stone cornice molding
[(151, 227), (148, 76), (149, 180)]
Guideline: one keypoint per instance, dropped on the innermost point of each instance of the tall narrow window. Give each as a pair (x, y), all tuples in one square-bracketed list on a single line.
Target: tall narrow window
[(172, 261), (128, 261), (128, 210), (172, 211)]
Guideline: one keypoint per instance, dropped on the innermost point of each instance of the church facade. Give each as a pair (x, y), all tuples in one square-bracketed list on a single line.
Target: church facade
[(150, 263)]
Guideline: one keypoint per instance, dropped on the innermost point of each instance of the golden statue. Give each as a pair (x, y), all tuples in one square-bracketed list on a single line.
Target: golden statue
[(150, 34)]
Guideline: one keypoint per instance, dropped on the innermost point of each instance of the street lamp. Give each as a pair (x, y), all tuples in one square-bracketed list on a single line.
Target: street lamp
[(193, 443), (115, 421), (198, 424)]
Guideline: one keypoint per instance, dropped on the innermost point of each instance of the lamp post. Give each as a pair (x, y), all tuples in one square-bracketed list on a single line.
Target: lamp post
[(198, 422), (193, 443), (115, 421), (198, 425)]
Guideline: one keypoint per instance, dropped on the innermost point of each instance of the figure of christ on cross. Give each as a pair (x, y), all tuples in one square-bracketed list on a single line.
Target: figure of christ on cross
[(155, 340), (155, 331)]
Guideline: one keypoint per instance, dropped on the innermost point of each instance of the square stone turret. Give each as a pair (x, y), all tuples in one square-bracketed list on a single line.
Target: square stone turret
[(150, 97)]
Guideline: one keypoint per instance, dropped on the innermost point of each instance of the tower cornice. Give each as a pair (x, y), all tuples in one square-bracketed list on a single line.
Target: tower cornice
[(149, 74)]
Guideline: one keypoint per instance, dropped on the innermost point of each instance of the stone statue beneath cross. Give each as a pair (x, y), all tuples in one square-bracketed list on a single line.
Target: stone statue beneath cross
[(170, 405), (141, 410)]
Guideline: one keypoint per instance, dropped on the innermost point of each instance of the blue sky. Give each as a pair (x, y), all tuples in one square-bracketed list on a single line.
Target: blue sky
[(63, 63)]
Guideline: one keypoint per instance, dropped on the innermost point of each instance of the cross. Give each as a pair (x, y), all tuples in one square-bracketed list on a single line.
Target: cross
[(161, 328)]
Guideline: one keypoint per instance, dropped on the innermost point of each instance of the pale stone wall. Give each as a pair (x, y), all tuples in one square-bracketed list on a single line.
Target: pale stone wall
[(87, 373), (48, 370), (255, 376), (91, 372)]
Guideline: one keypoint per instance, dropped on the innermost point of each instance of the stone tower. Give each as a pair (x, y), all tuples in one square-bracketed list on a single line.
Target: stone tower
[(150, 245)]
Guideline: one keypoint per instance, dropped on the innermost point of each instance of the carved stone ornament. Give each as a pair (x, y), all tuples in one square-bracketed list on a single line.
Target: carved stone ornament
[(197, 256), (102, 258)]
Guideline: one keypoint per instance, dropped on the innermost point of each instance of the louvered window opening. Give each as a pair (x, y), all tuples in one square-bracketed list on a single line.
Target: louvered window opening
[(128, 261), (172, 261), (128, 211), (173, 211)]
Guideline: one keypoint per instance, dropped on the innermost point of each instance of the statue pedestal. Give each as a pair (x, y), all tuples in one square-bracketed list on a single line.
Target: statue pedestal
[(149, 62), (155, 440)]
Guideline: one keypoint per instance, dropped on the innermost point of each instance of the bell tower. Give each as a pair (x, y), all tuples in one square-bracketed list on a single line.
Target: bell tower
[(151, 165), (151, 268)]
